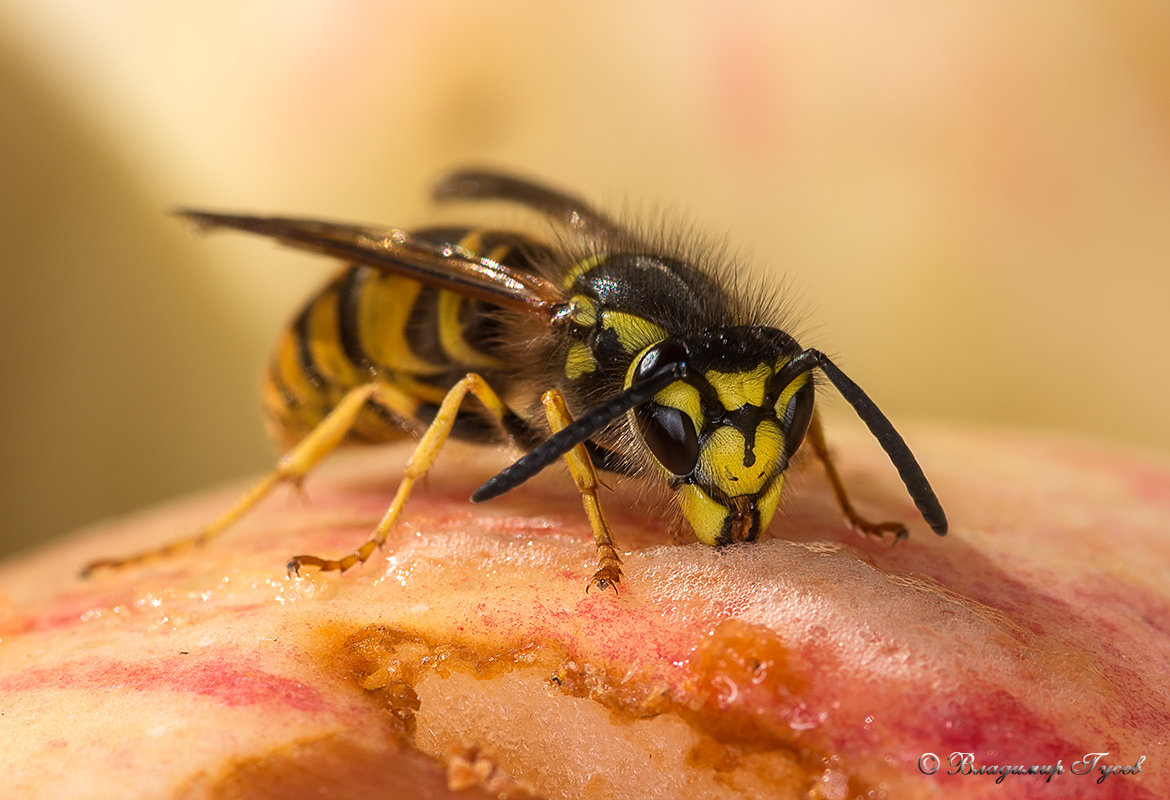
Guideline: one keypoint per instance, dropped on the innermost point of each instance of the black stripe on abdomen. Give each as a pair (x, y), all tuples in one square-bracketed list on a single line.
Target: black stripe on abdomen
[(349, 300)]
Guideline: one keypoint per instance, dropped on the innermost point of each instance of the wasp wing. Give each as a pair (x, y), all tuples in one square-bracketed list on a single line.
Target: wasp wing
[(444, 266)]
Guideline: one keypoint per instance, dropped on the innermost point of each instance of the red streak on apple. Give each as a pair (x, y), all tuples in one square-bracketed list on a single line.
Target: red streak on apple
[(815, 663), (222, 680)]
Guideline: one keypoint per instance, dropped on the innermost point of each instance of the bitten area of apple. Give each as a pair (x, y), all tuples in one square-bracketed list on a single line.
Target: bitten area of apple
[(467, 656)]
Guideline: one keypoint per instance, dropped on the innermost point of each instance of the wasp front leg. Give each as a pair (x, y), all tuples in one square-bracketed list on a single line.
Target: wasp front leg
[(816, 437), (292, 467), (609, 572)]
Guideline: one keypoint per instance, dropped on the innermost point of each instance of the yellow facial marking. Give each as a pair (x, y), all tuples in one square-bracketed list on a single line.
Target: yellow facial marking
[(685, 398), (737, 389), (721, 463), (789, 390), (703, 514), (634, 333), (579, 361), (767, 504)]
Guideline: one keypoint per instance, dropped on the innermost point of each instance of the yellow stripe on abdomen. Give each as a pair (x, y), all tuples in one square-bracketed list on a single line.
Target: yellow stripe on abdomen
[(449, 322), (383, 315)]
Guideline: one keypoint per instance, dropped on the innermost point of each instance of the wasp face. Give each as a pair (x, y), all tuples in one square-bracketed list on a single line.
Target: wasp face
[(726, 432)]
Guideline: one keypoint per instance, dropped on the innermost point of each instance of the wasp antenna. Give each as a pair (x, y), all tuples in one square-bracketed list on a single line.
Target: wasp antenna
[(883, 430), (578, 431)]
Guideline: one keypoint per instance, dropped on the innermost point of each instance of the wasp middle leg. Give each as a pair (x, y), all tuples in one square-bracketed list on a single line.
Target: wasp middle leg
[(609, 571), (816, 437)]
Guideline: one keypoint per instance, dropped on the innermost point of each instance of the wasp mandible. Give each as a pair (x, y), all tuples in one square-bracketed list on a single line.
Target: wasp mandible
[(594, 344)]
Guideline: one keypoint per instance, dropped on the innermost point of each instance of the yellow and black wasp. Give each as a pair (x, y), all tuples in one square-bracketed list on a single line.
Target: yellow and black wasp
[(643, 361)]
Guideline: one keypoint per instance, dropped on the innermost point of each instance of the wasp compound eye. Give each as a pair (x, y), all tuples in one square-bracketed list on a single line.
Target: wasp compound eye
[(796, 418), (667, 431), (668, 351), (670, 435)]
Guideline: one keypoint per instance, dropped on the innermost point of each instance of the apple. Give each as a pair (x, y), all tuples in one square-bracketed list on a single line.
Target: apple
[(467, 659)]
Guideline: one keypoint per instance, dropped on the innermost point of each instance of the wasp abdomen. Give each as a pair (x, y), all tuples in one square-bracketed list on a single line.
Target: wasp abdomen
[(372, 325)]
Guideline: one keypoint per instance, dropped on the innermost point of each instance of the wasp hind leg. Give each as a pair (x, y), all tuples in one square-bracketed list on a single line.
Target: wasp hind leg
[(609, 571), (816, 437), (420, 463), (292, 468)]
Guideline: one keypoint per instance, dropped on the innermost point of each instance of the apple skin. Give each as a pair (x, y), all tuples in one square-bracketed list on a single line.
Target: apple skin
[(467, 653)]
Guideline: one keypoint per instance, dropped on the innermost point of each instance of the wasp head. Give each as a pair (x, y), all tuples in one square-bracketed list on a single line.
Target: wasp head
[(725, 432)]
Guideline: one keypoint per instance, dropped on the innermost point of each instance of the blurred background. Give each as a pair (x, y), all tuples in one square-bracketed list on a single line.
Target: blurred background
[(969, 201)]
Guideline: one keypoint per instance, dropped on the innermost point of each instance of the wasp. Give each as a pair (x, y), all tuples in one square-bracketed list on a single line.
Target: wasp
[(594, 344)]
